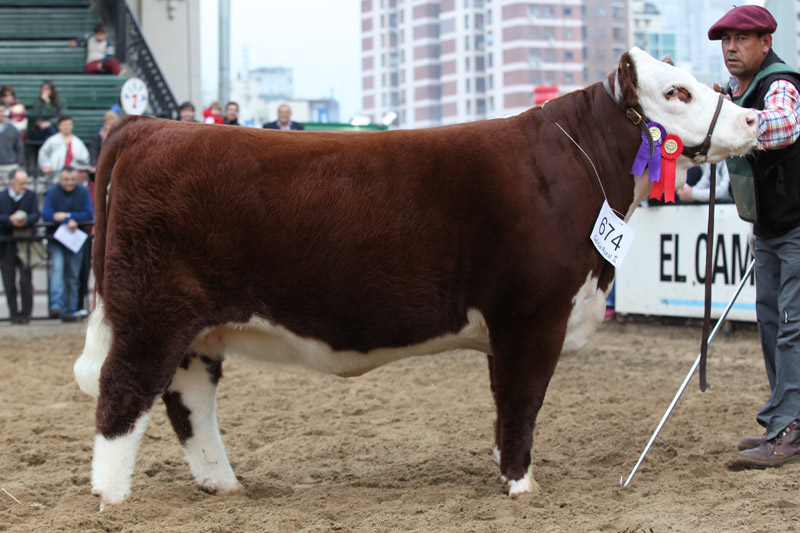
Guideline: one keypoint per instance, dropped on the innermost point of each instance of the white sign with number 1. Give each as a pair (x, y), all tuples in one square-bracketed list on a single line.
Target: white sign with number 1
[(611, 236)]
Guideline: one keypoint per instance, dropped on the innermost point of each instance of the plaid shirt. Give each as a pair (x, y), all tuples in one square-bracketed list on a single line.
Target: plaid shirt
[(780, 120)]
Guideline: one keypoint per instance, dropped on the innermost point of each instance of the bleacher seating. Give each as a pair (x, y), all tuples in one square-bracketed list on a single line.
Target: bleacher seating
[(56, 56), (46, 23), (34, 46)]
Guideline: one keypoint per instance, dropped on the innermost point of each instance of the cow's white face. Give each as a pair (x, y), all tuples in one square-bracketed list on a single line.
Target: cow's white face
[(685, 107)]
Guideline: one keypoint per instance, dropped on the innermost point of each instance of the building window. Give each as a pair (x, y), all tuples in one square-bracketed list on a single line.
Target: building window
[(466, 64), (466, 42), (568, 78)]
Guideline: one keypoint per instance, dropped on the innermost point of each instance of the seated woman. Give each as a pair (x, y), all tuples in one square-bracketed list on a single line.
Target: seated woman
[(17, 114), (46, 109)]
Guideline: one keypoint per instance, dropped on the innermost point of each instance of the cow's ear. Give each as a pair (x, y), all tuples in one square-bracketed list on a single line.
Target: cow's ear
[(628, 81), (668, 60)]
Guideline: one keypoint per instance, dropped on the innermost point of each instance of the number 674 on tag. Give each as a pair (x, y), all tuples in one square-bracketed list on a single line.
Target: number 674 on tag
[(612, 236)]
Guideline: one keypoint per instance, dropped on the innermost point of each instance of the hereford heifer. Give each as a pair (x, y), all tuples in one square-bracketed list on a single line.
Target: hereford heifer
[(343, 252)]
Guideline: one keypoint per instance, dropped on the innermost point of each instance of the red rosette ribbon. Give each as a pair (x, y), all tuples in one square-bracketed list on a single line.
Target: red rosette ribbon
[(671, 148)]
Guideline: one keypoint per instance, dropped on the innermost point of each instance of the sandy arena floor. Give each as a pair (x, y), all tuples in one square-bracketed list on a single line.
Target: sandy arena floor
[(407, 447)]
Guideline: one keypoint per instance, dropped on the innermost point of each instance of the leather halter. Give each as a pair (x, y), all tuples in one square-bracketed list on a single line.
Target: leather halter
[(640, 120), (634, 116), (702, 148)]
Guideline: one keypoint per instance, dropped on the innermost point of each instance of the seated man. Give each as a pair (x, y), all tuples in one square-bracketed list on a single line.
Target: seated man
[(66, 203), (18, 213), (99, 52), (62, 149)]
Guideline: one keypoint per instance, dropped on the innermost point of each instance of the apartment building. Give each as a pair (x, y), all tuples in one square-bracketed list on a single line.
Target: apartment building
[(446, 61)]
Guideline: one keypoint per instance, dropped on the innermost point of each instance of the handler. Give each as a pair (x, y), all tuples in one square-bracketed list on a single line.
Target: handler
[(762, 81)]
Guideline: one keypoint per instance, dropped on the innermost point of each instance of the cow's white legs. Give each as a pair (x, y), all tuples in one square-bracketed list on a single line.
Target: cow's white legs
[(98, 344), (113, 462), (191, 401), (526, 485)]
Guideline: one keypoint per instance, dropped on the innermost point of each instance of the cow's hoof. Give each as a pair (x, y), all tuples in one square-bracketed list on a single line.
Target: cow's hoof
[(109, 497), (221, 489), (526, 485)]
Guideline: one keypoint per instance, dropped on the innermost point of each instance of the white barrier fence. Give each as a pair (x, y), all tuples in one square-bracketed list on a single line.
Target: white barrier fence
[(664, 271)]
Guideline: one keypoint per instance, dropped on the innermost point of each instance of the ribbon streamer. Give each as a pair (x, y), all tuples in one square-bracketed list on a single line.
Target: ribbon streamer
[(671, 148), (643, 159)]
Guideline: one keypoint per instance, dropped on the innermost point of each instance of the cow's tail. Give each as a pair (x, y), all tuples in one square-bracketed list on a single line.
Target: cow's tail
[(105, 167), (112, 148)]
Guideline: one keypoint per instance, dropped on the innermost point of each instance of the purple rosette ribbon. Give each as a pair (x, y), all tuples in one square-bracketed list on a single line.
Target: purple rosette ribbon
[(642, 161)]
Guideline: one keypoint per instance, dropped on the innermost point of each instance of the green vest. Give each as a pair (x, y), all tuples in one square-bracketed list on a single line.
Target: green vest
[(741, 175)]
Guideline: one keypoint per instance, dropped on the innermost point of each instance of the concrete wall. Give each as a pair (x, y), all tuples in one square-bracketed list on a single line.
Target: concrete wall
[(172, 29)]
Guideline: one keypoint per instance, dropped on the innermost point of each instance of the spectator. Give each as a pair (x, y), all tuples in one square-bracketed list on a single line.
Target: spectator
[(700, 192), (84, 181), (284, 121), (46, 109), (66, 203), (99, 52), (213, 114), (186, 112), (62, 150), (15, 111), (12, 150), (232, 114), (97, 141), (19, 211)]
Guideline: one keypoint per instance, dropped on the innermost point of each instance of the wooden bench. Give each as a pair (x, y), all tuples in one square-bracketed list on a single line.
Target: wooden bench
[(40, 3), (46, 23), (41, 56), (79, 90)]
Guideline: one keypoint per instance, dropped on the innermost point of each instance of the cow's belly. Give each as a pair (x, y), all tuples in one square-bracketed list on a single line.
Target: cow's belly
[(262, 339)]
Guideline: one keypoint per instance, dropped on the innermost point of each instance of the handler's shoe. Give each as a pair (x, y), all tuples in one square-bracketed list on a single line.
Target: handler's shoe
[(748, 443), (777, 451)]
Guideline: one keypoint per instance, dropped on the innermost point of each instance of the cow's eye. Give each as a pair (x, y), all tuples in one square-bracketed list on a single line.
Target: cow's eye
[(678, 92)]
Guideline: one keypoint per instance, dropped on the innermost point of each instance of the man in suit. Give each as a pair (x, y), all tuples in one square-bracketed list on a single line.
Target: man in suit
[(18, 213), (284, 121)]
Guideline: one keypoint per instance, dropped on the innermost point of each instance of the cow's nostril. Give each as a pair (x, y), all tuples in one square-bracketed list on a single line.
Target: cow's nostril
[(752, 122)]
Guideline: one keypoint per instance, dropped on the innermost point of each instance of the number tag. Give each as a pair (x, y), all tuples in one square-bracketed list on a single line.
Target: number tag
[(611, 236)]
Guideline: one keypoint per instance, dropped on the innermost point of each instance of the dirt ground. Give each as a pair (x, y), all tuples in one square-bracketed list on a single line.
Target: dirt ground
[(407, 447)]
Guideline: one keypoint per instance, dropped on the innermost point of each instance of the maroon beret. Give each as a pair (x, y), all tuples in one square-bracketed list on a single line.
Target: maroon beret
[(744, 18)]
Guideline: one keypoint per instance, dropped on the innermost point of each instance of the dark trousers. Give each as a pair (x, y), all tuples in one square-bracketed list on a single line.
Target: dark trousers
[(778, 313), (9, 265)]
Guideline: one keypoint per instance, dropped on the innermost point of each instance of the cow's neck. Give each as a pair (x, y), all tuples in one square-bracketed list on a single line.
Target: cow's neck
[(602, 130)]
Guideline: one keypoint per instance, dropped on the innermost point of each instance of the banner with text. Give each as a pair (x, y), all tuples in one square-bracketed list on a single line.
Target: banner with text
[(665, 269)]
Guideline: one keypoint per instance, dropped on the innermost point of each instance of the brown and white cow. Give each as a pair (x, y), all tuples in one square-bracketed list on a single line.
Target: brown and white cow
[(343, 252)]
